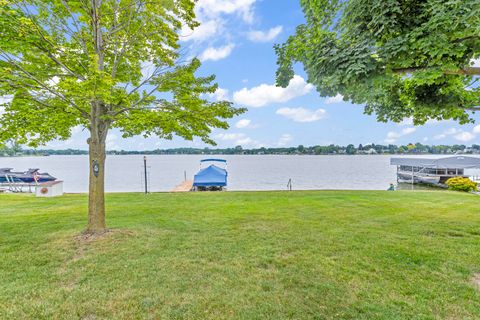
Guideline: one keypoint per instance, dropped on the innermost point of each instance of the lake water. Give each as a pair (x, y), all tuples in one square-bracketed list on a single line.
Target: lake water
[(258, 172)]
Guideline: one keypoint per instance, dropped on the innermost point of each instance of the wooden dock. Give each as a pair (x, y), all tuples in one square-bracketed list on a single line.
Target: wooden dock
[(184, 186)]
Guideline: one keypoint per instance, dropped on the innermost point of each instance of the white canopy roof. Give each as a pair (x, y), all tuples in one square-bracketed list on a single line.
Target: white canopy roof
[(456, 162)]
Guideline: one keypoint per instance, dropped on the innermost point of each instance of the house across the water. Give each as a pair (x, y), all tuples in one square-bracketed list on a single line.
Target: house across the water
[(433, 171)]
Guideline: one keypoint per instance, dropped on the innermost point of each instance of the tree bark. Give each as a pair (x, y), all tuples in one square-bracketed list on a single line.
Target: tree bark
[(96, 190), (96, 142)]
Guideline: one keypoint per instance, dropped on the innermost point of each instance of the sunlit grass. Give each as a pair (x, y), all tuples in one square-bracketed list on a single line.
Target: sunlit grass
[(255, 255)]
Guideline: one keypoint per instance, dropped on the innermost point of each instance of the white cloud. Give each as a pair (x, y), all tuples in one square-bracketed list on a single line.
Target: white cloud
[(215, 54), (264, 36), (285, 139), (76, 129), (465, 136), (392, 136), (243, 123), (409, 122), (408, 131), (451, 131), (220, 94), (446, 133), (239, 139), (212, 8), (265, 93), (302, 114), (53, 81), (406, 122), (475, 62), (460, 135), (230, 136), (244, 141), (111, 142), (148, 68), (337, 99), (204, 31), (440, 136), (435, 121), (4, 100), (213, 16)]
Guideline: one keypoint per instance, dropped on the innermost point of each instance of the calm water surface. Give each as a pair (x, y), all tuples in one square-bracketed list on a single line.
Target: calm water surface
[(259, 172)]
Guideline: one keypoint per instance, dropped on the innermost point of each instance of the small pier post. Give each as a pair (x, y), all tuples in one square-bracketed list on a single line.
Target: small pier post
[(289, 184), (412, 178), (145, 173)]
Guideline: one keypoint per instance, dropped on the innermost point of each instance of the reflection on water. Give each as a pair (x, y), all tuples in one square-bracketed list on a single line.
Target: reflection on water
[(262, 172)]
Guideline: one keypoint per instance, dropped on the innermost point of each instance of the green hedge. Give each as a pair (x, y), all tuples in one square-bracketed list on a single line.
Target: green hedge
[(462, 184)]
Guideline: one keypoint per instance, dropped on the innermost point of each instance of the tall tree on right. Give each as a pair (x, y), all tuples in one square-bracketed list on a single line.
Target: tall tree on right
[(400, 58)]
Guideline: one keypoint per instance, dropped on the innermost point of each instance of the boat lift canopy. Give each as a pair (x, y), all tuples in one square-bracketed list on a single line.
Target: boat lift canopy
[(214, 160), (211, 176), (456, 162)]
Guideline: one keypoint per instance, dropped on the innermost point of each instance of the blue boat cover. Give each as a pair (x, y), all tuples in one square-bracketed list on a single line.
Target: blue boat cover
[(211, 176)]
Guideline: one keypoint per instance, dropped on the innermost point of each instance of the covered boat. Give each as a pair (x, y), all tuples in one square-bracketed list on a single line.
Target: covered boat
[(211, 178), (433, 171)]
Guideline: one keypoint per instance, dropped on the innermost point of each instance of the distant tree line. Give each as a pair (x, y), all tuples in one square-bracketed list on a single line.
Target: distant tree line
[(418, 148)]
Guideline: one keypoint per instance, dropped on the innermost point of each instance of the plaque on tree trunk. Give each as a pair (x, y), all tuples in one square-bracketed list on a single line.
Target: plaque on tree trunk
[(96, 168)]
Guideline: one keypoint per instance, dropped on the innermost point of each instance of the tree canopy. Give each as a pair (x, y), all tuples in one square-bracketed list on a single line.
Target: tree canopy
[(58, 58), (400, 58), (102, 64)]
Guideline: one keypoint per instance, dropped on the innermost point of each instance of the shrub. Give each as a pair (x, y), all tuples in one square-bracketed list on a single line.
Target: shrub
[(462, 184)]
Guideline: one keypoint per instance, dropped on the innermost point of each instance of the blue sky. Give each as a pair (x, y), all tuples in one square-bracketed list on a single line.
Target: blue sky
[(235, 42)]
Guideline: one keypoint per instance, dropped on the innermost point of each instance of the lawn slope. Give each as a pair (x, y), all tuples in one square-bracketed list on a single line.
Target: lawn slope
[(255, 255)]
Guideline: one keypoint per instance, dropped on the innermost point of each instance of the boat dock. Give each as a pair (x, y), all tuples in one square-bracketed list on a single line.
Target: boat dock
[(433, 171), (185, 186)]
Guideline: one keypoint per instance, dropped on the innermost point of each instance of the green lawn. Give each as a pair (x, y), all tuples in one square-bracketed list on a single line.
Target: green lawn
[(256, 255)]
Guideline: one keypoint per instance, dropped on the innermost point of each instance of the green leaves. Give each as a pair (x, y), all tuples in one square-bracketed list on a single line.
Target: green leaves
[(186, 114), (401, 58), (113, 63)]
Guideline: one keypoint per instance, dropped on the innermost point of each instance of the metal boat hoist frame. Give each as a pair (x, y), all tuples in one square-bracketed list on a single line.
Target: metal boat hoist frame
[(17, 187), (433, 171)]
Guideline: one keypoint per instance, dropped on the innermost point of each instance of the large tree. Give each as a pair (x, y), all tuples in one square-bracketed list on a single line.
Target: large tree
[(400, 58), (101, 64)]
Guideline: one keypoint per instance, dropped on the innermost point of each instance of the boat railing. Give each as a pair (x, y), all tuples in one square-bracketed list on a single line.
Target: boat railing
[(17, 186), (429, 174)]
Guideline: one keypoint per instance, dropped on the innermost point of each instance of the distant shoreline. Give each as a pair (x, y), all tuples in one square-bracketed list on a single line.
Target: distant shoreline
[(369, 149), (223, 154)]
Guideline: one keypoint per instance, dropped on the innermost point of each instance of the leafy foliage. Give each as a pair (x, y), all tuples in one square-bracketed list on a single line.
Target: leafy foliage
[(101, 65), (401, 58), (461, 184)]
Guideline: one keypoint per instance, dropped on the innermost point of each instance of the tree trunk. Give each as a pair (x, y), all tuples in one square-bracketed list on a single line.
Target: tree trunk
[(96, 190)]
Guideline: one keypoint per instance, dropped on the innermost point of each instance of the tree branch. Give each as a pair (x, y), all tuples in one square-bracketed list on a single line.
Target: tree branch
[(84, 44), (47, 52), (470, 71), (44, 86)]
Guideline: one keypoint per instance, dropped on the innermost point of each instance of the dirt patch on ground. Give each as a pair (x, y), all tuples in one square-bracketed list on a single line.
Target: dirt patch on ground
[(81, 244), (108, 234), (476, 280), (83, 241)]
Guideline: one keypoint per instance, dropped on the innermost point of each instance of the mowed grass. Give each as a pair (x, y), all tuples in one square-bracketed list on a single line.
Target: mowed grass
[(233, 255)]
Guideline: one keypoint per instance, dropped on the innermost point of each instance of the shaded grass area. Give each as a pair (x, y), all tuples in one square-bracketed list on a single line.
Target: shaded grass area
[(255, 255)]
